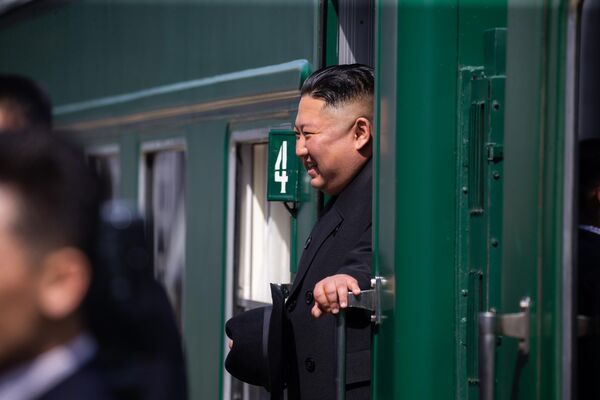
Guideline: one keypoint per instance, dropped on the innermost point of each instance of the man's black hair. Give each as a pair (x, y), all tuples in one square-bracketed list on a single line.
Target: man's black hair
[(22, 95), (340, 84), (58, 194)]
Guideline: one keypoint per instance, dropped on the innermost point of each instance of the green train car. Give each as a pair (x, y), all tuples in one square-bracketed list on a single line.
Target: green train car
[(479, 109)]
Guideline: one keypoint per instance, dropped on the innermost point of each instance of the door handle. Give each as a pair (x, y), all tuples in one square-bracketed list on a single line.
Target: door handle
[(491, 324)]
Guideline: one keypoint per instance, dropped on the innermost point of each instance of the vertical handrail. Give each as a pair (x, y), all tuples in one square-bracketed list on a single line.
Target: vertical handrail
[(341, 355), (487, 354), (491, 324)]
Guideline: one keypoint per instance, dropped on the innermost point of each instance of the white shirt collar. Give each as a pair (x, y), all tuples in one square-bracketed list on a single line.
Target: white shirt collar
[(34, 378), (590, 228)]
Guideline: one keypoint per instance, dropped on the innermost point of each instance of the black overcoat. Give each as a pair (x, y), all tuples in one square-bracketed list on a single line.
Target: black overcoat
[(340, 243), (588, 296)]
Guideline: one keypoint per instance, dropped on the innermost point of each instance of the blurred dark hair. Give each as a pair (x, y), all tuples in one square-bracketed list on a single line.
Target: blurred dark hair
[(22, 95), (589, 179), (59, 193), (340, 84)]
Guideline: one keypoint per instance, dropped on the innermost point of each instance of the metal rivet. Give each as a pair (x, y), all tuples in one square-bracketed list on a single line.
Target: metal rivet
[(464, 292), (494, 242), (465, 189), (496, 175)]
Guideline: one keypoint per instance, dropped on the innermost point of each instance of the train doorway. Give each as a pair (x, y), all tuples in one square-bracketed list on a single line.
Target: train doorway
[(259, 239)]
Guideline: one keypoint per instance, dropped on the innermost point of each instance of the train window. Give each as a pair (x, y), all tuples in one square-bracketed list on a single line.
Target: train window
[(163, 203), (105, 160), (356, 31), (264, 230), (259, 238)]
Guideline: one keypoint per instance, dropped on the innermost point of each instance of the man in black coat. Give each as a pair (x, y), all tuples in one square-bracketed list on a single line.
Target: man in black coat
[(334, 141), (48, 219), (334, 136), (588, 286)]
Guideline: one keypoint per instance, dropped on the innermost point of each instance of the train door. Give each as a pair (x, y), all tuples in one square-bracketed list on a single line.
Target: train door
[(529, 330), (472, 187), (162, 200), (259, 239)]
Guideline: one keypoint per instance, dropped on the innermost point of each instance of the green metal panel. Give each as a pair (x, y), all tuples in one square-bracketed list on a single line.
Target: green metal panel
[(481, 126), (533, 196), (415, 199), (205, 252), (91, 49), (331, 33), (421, 48), (129, 158)]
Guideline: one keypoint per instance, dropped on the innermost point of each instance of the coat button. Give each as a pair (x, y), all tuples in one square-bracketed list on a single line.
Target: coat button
[(307, 243), (308, 296), (309, 364), (291, 305)]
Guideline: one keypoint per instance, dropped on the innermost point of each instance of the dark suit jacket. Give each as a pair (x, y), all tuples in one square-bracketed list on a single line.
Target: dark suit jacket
[(87, 383), (340, 243), (588, 296)]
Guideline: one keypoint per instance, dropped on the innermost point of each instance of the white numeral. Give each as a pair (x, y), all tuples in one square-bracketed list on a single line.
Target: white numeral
[(280, 166)]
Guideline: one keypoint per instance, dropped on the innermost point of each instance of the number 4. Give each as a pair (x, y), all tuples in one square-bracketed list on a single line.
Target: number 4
[(281, 166)]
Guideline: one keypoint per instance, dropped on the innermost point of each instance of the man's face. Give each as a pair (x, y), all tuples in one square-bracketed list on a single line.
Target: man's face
[(325, 143), (19, 314)]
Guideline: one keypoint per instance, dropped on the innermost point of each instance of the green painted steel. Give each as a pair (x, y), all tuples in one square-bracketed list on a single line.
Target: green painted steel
[(479, 189), (416, 62), (204, 262), (90, 49), (415, 243), (533, 194), (331, 32)]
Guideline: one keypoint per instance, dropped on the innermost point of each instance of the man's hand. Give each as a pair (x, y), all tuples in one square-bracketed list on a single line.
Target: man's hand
[(331, 293)]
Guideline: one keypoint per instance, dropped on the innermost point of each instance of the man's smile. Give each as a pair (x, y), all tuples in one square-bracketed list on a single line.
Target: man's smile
[(311, 168)]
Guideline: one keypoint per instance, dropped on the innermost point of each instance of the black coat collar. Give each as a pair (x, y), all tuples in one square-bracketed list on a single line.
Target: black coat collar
[(358, 191)]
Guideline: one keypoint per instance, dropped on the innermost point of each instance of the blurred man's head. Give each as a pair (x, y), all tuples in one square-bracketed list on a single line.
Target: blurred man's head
[(48, 220), (334, 126), (23, 105), (589, 182)]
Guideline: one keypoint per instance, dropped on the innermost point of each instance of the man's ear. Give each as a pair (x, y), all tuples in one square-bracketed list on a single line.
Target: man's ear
[(597, 194), (363, 132), (65, 279)]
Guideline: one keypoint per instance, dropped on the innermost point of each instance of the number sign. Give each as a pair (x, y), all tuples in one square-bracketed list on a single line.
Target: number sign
[(282, 170)]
